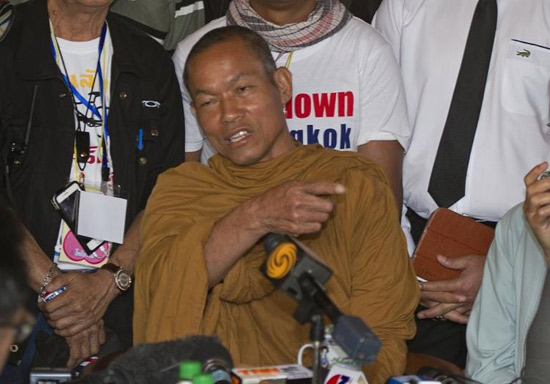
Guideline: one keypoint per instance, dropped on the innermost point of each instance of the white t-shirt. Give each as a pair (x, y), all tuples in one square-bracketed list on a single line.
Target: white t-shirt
[(346, 91), (513, 133), (81, 59)]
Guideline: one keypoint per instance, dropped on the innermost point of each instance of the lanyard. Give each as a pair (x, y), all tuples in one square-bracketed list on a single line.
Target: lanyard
[(56, 51)]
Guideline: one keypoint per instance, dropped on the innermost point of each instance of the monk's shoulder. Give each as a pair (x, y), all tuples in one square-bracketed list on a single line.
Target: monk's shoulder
[(187, 173), (352, 165)]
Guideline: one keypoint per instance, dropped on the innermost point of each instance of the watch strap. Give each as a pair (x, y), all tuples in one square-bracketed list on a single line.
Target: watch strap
[(111, 267)]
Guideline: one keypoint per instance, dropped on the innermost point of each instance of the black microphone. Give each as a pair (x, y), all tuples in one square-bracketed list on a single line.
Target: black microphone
[(159, 362)]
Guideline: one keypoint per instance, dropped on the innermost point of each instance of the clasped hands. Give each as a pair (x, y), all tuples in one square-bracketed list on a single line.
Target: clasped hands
[(77, 313)]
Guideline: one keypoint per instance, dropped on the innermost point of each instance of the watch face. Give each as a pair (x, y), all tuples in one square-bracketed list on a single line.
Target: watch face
[(123, 280)]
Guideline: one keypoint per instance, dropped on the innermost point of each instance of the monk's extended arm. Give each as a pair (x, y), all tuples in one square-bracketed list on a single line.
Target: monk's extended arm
[(291, 208)]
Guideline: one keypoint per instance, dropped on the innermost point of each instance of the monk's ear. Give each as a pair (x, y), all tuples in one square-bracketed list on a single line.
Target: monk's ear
[(193, 109), (283, 80)]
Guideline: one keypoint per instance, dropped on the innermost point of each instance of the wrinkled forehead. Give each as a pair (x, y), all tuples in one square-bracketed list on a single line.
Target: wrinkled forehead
[(234, 48), (223, 60)]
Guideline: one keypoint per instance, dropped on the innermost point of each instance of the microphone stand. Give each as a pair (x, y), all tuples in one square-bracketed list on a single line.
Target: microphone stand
[(317, 337), (350, 332), (315, 301)]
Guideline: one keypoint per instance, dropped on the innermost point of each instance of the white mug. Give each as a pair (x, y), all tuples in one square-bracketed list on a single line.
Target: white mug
[(331, 353)]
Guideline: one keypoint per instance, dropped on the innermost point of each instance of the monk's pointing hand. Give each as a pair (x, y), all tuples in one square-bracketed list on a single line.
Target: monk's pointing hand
[(297, 207)]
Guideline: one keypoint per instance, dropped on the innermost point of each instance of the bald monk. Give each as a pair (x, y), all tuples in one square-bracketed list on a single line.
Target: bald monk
[(198, 272)]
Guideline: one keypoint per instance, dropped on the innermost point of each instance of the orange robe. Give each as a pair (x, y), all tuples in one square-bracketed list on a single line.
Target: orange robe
[(362, 242)]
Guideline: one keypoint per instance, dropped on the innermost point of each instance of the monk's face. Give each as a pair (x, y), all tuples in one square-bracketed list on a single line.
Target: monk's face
[(238, 105)]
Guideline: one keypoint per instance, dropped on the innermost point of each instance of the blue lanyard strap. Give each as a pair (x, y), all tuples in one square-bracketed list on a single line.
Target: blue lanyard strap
[(76, 94), (75, 91)]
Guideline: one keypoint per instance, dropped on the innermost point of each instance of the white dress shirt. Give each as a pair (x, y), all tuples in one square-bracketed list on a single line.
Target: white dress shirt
[(513, 133)]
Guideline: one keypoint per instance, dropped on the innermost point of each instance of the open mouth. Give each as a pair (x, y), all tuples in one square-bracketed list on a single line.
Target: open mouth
[(239, 136)]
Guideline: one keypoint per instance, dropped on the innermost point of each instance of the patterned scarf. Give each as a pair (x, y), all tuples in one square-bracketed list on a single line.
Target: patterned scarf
[(328, 17)]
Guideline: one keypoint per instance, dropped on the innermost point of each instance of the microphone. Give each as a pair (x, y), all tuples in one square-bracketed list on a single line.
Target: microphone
[(288, 259), (159, 362), (292, 267)]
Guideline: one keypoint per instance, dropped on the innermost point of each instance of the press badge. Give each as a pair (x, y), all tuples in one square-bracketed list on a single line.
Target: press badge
[(102, 217)]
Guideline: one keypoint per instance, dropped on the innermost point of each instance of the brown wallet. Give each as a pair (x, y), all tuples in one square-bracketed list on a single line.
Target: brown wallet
[(449, 234)]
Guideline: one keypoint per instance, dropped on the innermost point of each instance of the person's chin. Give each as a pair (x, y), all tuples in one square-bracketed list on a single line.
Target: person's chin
[(244, 161), (243, 157), (242, 153)]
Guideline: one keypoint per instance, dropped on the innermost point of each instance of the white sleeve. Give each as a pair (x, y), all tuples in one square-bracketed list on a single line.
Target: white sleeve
[(383, 104), (193, 134), (389, 20), (492, 327)]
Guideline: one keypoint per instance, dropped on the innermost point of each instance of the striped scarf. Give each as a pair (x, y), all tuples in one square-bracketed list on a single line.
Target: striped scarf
[(328, 17)]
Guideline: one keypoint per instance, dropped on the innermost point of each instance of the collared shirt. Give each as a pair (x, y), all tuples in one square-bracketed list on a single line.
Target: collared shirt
[(513, 133)]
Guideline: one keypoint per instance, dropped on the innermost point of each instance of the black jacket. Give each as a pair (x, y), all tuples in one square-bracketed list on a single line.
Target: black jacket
[(141, 70)]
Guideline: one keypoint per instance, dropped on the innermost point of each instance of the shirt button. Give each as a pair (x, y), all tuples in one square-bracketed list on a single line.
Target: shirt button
[(154, 132), (14, 348), (123, 95), (142, 161)]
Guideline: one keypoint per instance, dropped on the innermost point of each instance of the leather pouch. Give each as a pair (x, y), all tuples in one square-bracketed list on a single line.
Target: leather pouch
[(449, 234)]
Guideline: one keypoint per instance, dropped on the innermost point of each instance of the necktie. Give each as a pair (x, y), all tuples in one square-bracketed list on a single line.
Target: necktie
[(448, 178)]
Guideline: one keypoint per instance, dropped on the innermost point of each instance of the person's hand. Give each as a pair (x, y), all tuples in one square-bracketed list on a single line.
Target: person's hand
[(296, 207), (537, 206), (453, 299), (85, 343), (82, 304)]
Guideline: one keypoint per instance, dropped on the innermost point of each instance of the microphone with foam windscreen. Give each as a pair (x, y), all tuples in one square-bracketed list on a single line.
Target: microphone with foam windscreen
[(294, 268), (159, 362)]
